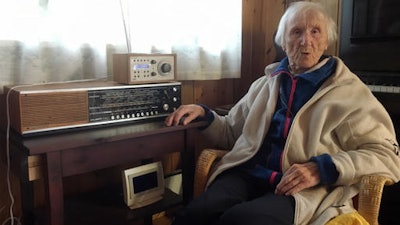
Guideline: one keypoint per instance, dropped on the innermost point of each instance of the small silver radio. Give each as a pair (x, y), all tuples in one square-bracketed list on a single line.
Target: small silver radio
[(143, 68)]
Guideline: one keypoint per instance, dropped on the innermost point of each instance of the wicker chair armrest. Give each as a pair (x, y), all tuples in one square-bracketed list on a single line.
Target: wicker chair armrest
[(205, 161), (369, 198)]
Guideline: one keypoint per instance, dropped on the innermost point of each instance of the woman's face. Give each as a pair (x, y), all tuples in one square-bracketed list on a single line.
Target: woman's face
[(306, 39)]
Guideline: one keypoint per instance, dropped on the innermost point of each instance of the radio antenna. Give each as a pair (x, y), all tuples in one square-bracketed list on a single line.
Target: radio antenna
[(126, 25)]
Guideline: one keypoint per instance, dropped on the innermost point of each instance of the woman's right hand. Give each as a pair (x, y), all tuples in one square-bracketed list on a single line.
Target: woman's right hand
[(184, 115)]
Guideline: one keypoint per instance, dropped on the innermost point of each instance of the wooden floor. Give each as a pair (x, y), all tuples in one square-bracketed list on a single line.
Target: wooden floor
[(163, 220)]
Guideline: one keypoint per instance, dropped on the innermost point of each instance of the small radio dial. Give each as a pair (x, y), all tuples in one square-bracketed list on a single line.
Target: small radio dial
[(164, 68)]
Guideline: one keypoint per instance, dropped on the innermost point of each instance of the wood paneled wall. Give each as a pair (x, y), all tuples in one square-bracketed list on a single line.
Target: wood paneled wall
[(260, 19)]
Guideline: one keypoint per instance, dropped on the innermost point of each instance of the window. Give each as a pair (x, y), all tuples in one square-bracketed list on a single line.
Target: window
[(58, 40)]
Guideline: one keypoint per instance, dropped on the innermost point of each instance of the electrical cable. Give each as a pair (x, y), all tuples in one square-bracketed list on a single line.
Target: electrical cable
[(11, 218)]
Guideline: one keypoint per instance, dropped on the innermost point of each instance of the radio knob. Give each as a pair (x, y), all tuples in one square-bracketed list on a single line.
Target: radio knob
[(166, 68), (165, 107), (153, 61)]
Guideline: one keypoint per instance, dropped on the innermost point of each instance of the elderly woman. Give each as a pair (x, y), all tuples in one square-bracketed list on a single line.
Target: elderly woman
[(300, 139)]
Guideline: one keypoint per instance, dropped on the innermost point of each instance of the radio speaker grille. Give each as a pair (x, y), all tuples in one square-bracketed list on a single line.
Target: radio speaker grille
[(46, 110)]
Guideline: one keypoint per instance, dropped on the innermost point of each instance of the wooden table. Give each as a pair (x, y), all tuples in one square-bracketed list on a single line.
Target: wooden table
[(77, 152)]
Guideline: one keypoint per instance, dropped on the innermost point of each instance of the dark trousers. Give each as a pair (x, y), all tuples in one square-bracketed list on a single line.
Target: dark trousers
[(235, 198)]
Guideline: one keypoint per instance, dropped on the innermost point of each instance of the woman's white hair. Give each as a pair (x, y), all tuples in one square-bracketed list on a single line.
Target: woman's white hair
[(301, 8)]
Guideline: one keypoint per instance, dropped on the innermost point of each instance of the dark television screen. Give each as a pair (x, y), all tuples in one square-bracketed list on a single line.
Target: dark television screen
[(376, 19), (370, 40), (145, 182)]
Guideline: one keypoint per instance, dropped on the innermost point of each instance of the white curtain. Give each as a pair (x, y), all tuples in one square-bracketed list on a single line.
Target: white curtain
[(57, 40)]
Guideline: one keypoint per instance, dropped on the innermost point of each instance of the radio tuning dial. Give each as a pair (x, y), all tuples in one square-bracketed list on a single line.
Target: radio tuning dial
[(165, 68)]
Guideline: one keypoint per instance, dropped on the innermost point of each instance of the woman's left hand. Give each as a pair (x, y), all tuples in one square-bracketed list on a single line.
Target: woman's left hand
[(297, 178)]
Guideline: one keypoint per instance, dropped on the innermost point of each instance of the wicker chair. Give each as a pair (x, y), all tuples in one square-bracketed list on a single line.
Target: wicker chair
[(368, 202)]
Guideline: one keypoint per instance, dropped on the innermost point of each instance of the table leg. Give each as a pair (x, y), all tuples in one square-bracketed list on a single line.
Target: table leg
[(55, 190), (27, 195), (188, 165)]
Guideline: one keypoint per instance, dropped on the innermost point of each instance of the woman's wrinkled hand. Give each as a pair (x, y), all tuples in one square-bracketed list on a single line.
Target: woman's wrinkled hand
[(184, 115), (298, 177)]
